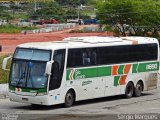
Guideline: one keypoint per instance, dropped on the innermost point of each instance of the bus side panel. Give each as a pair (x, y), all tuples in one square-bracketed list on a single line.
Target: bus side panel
[(89, 88), (85, 89), (151, 80), (110, 88), (134, 78)]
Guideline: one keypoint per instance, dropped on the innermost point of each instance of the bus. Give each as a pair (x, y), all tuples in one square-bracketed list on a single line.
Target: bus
[(82, 68)]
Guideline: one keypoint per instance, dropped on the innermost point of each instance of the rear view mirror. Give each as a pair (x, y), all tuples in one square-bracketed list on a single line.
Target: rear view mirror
[(4, 63), (48, 67)]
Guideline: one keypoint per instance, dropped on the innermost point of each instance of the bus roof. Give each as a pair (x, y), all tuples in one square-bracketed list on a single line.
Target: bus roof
[(89, 41)]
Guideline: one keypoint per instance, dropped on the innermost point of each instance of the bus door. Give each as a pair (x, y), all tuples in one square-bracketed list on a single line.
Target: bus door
[(57, 69)]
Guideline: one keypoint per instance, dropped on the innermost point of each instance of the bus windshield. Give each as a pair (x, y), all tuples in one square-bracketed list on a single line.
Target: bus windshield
[(28, 68)]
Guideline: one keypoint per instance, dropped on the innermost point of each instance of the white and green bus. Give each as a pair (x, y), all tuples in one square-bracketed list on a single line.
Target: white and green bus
[(81, 68)]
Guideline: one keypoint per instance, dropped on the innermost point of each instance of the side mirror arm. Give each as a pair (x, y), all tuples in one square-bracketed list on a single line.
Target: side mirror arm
[(48, 67), (4, 63)]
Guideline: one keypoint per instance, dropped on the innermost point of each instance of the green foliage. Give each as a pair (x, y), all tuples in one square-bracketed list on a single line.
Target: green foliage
[(46, 9), (49, 10), (3, 74), (54, 10), (13, 12), (68, 2), (74, 2), (20, 15), (3, 14), (14, 29), (135, 17)]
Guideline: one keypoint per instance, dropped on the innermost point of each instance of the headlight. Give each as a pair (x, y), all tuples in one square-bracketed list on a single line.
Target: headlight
[(41, 94), (12, 91)]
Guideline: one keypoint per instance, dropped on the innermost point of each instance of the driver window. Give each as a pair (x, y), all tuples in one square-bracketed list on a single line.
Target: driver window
[(57, 69)]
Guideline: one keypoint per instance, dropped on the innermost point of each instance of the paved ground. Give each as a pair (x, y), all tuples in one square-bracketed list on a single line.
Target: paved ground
[(3, 90), (146, 107)]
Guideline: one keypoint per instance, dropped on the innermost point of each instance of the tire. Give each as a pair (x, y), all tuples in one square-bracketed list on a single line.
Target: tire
[(129, 90), (138, 89), (35, 106), (69, 99)]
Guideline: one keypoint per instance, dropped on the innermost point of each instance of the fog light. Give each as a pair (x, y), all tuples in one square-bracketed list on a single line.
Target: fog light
[(12, 91)]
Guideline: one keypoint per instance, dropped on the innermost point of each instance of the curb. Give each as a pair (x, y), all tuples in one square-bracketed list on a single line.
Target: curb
[(3, 91)]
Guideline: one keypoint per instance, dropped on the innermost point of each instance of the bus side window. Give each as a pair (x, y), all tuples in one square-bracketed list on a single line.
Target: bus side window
[(57, 69), (89, 56), (74, 58)]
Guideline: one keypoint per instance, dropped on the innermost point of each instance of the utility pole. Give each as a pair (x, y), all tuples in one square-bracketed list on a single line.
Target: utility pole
[(35, 5), (78, 14), (79, 8)]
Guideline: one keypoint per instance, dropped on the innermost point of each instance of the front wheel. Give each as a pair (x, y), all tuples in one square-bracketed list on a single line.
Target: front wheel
[(129, 90), (138, 89), (69, 99)]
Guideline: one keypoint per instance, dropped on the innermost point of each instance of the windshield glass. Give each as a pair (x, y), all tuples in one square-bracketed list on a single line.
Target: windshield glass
[(28, 68), (28, 74), (32, 54)]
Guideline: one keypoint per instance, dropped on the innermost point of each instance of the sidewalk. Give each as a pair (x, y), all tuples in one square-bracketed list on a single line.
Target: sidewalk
[(3, 90)]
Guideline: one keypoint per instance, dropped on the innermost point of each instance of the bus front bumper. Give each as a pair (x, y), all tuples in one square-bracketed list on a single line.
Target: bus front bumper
[(40, 100)]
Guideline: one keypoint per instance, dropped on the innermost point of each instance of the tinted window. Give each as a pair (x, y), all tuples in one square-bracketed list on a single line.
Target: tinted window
[(89, 56), (126, 53), (111, 55), (82, 57), (57, 69), (74, 58)]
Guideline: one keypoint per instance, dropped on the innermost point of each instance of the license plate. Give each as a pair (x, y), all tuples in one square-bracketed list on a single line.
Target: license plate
[(25, 99)]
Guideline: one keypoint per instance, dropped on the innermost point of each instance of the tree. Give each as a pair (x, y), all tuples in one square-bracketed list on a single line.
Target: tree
[(48, 10), (3, 14), (68, 2), (137, 17)]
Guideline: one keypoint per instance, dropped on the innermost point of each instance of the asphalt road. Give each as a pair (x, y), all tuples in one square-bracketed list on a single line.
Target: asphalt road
[(146, 107)]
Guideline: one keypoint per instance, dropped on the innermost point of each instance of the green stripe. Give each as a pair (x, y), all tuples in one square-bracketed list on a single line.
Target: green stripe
[(12, 88), (134, 68), (145, 67), (116, 80), (40, 90), (85, 73), (67, 74), (106, 70), (90, 72), (120, 69)]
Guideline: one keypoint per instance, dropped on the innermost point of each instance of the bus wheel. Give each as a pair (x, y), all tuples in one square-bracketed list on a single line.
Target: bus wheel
[(138, 89), (69, 99), (129, 90)]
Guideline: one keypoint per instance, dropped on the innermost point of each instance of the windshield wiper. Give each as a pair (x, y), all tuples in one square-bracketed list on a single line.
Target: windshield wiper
[(23, 76), (29, 76)]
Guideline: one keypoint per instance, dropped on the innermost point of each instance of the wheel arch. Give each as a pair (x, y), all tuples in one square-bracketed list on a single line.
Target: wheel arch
[(130, 82), (74, 92)]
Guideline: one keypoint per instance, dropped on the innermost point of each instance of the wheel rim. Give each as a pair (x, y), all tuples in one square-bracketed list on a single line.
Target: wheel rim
[(130, 90), (139, 88), (69, 99)]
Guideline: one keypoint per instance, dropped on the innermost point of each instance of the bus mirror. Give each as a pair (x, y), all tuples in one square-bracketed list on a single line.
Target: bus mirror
[(48, 67), (4, 63)]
